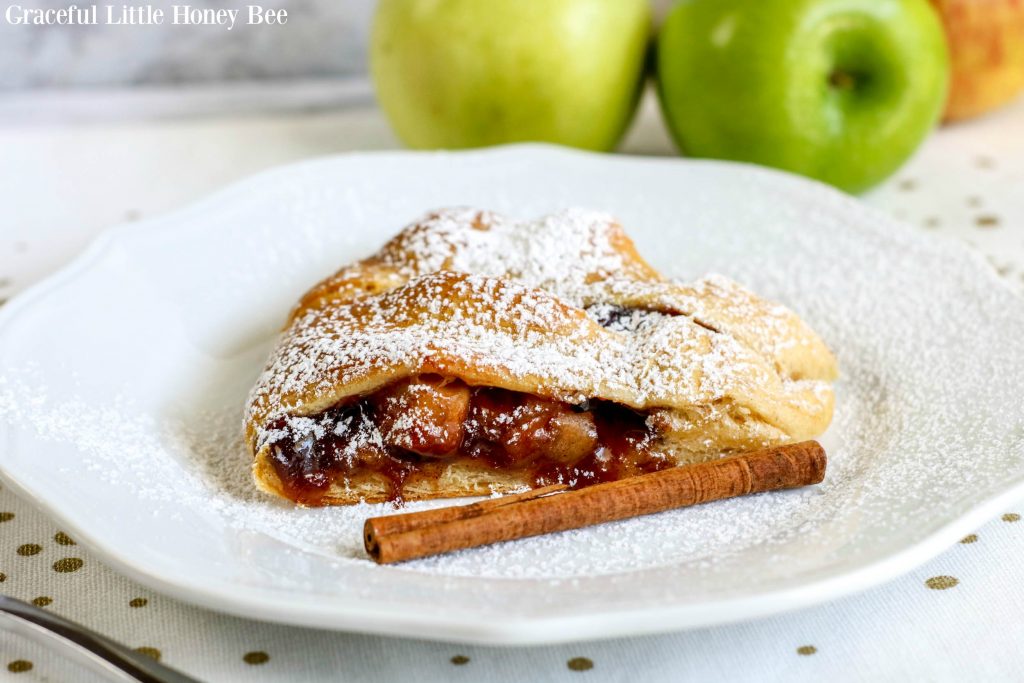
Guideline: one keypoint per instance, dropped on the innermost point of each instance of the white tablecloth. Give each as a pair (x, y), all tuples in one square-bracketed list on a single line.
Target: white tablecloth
[(959, 617)]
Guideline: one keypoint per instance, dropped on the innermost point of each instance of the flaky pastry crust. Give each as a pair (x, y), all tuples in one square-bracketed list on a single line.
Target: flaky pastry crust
[(562, 308)]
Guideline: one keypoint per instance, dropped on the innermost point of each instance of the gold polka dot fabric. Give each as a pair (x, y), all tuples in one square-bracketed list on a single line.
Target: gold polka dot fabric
[(61, 538), (68, 564), (580, 664), (941, 583), (19, 666)]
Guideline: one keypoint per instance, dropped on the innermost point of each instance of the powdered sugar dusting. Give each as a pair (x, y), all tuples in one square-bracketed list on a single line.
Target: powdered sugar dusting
[(560, 253)]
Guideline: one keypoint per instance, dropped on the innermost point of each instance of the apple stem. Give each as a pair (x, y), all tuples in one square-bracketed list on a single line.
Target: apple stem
[(841, 80)]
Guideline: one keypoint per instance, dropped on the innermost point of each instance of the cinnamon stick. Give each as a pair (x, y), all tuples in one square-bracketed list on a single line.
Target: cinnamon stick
[(397, 538), (395, 524)]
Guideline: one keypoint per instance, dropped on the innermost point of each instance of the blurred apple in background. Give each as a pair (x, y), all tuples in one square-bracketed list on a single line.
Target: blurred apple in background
[(839, 90), (468, 73), (986, 45)]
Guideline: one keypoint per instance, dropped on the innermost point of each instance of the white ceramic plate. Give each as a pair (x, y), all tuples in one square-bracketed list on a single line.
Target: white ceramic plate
[(122, 381)]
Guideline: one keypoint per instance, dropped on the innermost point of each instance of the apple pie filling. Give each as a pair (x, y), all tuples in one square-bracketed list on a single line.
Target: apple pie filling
[(415, 428)]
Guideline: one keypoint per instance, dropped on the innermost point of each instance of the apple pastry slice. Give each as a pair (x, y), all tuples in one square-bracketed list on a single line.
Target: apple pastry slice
[(474, 354)]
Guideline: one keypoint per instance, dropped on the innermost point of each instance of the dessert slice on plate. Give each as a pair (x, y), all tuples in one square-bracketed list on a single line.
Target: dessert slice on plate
[(475, 354)]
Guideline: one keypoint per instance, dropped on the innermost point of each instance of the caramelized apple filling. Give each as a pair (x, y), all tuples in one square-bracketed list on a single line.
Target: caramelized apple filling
[(413, 429)]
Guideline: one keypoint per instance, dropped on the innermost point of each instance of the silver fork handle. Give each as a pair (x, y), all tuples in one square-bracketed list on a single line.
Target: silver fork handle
[(100, 653)]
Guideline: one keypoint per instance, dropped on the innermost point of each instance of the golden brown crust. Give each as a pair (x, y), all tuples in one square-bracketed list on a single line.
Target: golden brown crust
[(455, 480)]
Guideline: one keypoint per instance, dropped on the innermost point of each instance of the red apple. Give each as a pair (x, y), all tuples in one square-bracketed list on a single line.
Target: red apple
[(986, 44)]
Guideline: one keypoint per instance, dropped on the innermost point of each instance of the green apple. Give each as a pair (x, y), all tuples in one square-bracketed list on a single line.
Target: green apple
[(839, 90), (469, 73)]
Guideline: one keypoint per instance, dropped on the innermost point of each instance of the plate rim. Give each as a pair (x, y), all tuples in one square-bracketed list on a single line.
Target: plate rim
[(359, 616)]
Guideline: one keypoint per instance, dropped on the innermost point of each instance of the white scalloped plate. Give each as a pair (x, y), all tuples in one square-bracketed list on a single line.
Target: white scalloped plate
[(122, 380)]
